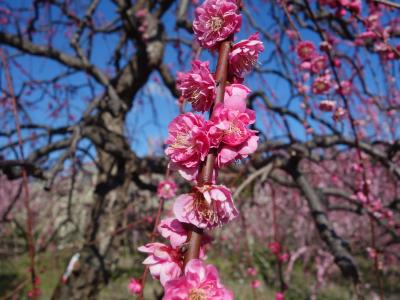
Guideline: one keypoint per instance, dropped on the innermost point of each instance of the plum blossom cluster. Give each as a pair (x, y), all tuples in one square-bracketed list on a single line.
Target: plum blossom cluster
[(343, 6), (226, 136), (315, 65)]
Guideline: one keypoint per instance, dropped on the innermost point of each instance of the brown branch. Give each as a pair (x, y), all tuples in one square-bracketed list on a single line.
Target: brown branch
[(206, 172)]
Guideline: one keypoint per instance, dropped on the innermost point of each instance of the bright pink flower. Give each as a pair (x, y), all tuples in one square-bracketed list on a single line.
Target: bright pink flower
[(321, 84), (327, 105), (166, 189), (229, 126), (354, 6), (165, 262), (318, 63), (279, 296), (255, 284), (275, 247), (215, 20), (252, 271), (284, 257), (199, 282), (228, 130), (244, 55), (207, 207), (305, 50), (173, 230), (188, 144), (135, 286), (197, 86)]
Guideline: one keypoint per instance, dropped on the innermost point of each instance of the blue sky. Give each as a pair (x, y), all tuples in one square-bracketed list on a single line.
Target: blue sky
[(154, 106)]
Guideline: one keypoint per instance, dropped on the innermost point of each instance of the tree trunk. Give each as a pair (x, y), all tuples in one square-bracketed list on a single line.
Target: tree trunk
[(110, 198)]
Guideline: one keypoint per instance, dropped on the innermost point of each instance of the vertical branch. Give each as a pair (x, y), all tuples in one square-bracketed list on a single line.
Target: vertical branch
[(207, 169), (30, 238)]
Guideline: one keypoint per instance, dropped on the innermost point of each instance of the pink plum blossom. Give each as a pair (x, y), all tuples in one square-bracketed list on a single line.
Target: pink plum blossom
[(164, 262), (197, 86), (252, 271), (321, 84), (305, 50), (173, 230), (279, 296), (255, 284), (318, 63), (188, 144), (275, 247), (215, 21), (200, 281), (228, 130), (327, 105), (340, 114), (235, 97), (244, 55), (166, 189), (206, 207), (345, 88), (135, 286)]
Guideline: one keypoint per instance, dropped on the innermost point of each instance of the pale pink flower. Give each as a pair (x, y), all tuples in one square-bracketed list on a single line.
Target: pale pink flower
[(325, 46), (321, 84), (340, 114), (255, 284), (279, 296), (206, 207), (164, 262), (365, 38), (215, 21), (318, 63), (166, 189), (292, 34), (244, 55), (252, 271), (235, 97), (188, 144), (345, 88), (141, 13), (200, 281), (327, 105), (173, 230), (305, 50), (227, 154), (197, 86), (135, 286), (305, 66)]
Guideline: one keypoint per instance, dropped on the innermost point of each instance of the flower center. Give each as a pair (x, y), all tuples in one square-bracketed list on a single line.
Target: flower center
[(215, 24), (195, 96), (181, 141), (197, 294), (205, 211)]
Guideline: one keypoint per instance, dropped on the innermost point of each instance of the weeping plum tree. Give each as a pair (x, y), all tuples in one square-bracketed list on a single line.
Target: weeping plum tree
[(325, 95)]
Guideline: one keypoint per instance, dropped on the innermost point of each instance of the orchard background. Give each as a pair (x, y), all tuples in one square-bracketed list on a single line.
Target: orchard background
[(87, 90)]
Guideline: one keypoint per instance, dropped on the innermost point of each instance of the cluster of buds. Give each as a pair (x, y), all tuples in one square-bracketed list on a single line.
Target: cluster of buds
[(197, 146)]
